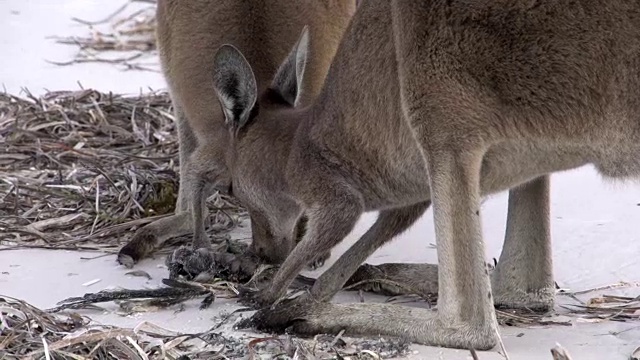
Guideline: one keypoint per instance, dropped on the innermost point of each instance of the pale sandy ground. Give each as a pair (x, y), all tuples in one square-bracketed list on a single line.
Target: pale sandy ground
[(596, 241)]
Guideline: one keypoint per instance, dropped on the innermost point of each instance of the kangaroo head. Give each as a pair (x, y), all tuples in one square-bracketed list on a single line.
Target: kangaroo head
[(261, 130)]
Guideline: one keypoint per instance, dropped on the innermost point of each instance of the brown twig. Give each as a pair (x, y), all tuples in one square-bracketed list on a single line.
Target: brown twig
[(120, 31)]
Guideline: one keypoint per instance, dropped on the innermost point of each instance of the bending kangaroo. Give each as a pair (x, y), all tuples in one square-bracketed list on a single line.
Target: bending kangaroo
[(188, 35), (442, 102)]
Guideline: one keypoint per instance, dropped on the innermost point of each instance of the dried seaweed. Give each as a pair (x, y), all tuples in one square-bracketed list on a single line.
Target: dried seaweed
[(125, 31), (176, 292), (608, 307), (81, 169), (27, 332)]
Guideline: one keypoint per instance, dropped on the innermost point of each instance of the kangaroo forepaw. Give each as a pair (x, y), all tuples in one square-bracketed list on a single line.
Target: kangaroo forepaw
[(259, 298), (288, 316), (140, 245), (251, 297)]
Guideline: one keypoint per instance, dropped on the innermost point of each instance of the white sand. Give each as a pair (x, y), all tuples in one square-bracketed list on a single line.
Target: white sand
[(595, 241)]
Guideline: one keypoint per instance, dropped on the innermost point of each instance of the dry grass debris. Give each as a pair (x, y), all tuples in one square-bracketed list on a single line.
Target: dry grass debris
[(27, 332), (81, 169), (125, 38)]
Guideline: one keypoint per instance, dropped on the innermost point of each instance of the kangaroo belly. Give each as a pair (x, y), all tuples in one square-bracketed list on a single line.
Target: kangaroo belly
[(400, 182), (510, 164)]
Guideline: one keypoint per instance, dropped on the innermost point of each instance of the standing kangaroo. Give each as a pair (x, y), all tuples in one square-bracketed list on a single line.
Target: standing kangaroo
[(442, 102), (188, 35)]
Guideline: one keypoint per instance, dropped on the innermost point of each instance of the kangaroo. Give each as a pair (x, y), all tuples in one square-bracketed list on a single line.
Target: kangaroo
[(438, 102), (188, 35)]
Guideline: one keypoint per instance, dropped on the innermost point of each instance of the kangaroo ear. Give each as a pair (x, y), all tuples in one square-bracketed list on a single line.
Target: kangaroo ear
[(288, 79), (235, 85)]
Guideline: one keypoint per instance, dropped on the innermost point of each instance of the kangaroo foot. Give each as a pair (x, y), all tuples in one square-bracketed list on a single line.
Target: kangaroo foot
[(540, 301), (306, 316), (515, 288), (393, 279), (140, 245)]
